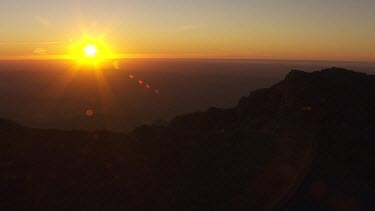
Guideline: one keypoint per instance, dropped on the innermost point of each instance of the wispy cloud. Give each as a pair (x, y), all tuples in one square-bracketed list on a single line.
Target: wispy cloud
[(30, 43), (40, 51), (42, 20)]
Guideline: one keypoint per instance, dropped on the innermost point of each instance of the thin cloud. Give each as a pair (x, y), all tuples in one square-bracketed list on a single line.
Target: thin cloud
[(42, 20), (30, 43), (40, 51)]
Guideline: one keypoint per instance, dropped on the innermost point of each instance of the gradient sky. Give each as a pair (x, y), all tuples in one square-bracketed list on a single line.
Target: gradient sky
[(253, 29)]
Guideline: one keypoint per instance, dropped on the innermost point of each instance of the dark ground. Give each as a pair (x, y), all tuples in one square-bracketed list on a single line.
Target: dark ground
[(305, 143)]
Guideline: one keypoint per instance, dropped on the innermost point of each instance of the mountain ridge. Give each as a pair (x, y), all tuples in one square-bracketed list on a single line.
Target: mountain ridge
[(292, 146)]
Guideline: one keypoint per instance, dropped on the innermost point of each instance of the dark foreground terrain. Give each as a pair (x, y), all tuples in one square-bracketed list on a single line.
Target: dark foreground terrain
[(306, 143)]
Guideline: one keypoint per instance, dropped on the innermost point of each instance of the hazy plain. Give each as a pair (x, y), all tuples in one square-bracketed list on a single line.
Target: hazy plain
[(130, 92)]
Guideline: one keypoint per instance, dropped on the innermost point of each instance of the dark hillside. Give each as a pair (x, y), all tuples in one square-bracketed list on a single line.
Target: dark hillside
[(305, 143)]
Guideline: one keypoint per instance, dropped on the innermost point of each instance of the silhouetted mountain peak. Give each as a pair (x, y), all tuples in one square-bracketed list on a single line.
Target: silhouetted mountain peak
[(333, 91), (339, 70), (295, 74), (333, 73)]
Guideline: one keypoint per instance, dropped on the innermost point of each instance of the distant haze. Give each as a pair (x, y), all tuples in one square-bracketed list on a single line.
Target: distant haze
[(54, 95)]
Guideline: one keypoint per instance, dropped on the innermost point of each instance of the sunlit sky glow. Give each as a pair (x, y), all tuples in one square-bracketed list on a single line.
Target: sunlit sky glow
[(251, 29)]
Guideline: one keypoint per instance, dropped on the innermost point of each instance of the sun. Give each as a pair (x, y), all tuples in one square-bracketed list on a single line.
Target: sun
[(90, 50)]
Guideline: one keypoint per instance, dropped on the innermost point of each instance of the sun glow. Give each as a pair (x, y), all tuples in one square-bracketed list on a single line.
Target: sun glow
[(90, 51)]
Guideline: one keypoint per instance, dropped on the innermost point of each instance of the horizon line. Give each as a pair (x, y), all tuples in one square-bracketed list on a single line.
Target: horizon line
[(169, 56)]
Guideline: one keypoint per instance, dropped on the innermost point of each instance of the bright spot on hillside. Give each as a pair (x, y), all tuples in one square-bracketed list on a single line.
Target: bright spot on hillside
[(89, 112)]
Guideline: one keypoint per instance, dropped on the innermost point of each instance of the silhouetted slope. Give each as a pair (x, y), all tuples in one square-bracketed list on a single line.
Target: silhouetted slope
[(305, 143), (339, 109), (342, 176)]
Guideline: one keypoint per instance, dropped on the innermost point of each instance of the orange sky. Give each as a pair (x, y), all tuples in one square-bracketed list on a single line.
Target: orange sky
[(289, 29)]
